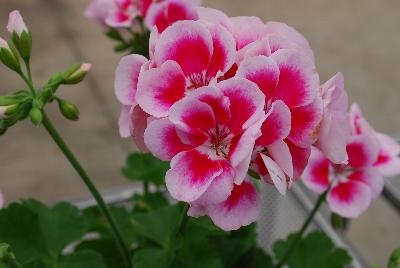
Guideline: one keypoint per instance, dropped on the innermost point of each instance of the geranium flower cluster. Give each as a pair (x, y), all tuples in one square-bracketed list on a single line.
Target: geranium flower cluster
[(220, 96), (354, 185), (130, 13)]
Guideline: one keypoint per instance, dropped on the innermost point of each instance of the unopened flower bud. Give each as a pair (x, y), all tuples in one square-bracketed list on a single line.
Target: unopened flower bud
[(76, 73), (21, 36), (8, 110), (16, 23), (337, 221), (36, 116), (8, 56), (68, 109)]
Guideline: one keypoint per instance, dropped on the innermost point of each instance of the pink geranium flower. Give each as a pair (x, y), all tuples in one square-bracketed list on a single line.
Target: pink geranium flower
[(209, 136), (294, 110), (355, 185), (186, 56)]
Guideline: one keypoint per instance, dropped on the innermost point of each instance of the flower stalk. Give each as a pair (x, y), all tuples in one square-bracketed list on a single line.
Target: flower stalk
[(299, 235), (92, 188)]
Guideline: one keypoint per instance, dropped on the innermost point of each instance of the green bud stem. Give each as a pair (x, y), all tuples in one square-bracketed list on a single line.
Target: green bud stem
[(299, 235), (92, 188)]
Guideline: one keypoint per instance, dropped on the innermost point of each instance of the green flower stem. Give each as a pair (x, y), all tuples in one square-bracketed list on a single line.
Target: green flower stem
[(82, 173), (300, 234), (184, 220)]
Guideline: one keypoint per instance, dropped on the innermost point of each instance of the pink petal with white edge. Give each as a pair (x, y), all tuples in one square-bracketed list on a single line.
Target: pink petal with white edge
[(349, 199), (363, 151), (277, 125), (125, 122), (257, 48), (118, 18), (191, 174), (334, 95), (241, 149), (247, 30), (240, 209), (224, 51), (279, 152), (189, 43), (213, 16), (291, 34), (300, 158), (164, 14), (139, 123), (298, 80), (371, 177), (388, 162), (335, 127), (162, 140), (159, 88), (126, 78), (334, 134), (261, 70), (317, 172), (246, 102), (154, 36), (306, 122), (220, 188), (276, 174), (218, 102), (192, 116)]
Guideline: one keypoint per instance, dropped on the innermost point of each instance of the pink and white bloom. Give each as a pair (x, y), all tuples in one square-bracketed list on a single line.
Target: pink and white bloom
[(98, 10), (335, 126), (356, 184), (1, 200), (16, 23), (165, 13), (122, 14), (186, 56), (209, 136), (294, 110)]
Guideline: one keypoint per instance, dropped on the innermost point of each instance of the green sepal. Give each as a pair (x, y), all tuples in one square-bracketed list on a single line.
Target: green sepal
[(10, 59), (75, 74), (23, 43), (113, 34)]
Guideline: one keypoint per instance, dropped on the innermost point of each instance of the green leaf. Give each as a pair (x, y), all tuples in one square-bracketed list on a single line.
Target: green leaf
[(107, 248), (7, 257), (161, 225), (255, 258), (149, 201), (236, 245), (153, 258), (36, 232), (98, 223), (394, 260), (145, 167), (82, 259), (314, 251), (196, 248)]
